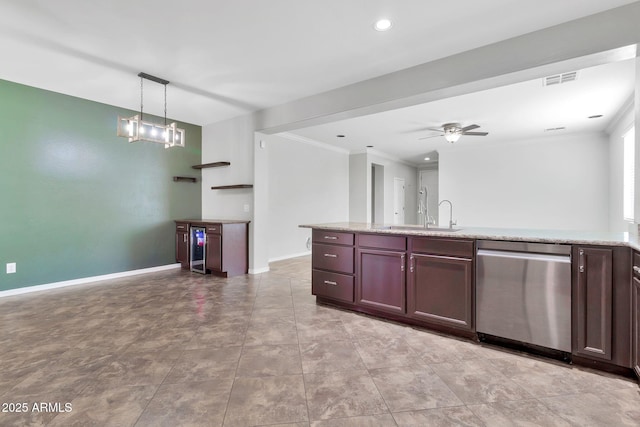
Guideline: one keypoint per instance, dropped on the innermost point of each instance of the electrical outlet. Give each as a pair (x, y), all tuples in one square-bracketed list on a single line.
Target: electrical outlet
[(246, 208), (11, 267)]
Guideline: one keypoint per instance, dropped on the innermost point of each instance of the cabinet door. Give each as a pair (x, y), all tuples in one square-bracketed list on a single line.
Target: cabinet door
[(636, 325), (593, 303), (182, 248), (214, 252), (440, 290), (381, 280)]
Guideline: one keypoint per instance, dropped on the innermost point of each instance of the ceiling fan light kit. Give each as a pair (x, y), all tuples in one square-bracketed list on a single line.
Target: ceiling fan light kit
[(453, 131)]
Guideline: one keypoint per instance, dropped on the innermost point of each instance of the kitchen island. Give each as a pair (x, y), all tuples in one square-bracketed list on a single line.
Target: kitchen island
[(428, 278)]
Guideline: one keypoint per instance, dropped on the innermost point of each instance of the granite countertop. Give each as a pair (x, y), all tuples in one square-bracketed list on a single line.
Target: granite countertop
[(512, 234), (214, 221)]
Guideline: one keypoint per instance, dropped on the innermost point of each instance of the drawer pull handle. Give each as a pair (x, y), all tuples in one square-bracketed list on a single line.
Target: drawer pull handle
[(331, 237), (184, 238), (636, 269), (331, 255), (329, 282)]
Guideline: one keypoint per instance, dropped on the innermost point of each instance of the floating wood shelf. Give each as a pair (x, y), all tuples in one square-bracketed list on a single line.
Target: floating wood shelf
[(211, 165), (185, 179), (230, 187)]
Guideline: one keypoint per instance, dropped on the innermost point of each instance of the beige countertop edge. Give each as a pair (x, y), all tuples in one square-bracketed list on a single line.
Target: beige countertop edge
[(480, 233), (214, 221)]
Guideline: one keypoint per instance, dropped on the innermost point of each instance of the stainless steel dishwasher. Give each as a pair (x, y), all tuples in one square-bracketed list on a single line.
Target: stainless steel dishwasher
[(523, 292)]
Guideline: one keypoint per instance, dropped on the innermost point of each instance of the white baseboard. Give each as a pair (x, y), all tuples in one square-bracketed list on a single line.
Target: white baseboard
[(258, 270), (83, 280), (282, 258)]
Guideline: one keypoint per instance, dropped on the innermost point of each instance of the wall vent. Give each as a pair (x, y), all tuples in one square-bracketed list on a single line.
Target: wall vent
[(560, 78), (554, 129)]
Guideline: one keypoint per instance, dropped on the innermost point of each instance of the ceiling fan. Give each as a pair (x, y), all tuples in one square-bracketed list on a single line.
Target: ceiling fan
[(453, 131)]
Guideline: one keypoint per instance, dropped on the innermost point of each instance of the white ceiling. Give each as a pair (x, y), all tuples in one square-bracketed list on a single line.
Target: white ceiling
[(225, 58), (509, 113)]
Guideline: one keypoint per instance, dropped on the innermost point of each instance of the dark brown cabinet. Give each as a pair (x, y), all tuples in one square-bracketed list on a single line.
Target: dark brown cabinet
[(182, 244), (380, 277), (226, 245), (635, 315), (332, 260), (213, 259), (601, 298), (440, 282)]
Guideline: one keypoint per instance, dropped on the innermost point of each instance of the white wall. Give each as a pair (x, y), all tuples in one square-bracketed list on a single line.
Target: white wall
[(307, 184), (360, 186), (359, 203), (619, 126), (549, 183), (233, 141)]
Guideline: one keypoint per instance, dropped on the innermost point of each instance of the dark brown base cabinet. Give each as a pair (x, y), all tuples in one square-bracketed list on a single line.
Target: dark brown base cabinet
[(601, 305), (182, 243), (636, 314), (332, 260), (440, 289), (226, 248), (381, 278), (437, 293)]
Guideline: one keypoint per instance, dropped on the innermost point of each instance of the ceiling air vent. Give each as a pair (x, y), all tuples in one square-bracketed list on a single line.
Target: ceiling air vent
[(555, 129), (560, 78)]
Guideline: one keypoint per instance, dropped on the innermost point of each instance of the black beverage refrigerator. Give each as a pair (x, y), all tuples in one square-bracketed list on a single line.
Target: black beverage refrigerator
[(198, 249)]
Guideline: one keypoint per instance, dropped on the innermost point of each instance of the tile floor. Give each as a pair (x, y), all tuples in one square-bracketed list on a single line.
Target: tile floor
[(182, 349)]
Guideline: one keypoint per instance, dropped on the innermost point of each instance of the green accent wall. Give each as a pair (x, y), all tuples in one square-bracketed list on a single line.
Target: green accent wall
[(76, 200)]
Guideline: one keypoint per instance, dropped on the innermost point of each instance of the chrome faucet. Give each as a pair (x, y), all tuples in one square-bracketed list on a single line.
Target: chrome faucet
[(451, 221), (423, 207)]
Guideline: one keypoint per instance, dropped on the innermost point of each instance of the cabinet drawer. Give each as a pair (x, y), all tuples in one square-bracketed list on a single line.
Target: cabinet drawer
[(447, 247), (332, 257), (332, 285), (382, 242), (214, 228), (333, 237), (182, 226)]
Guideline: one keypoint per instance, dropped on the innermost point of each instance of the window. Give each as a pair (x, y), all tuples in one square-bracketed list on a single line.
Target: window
[(629, 139)]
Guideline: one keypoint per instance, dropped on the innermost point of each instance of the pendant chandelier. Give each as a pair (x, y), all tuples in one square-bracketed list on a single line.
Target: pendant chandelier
[(137, 129)]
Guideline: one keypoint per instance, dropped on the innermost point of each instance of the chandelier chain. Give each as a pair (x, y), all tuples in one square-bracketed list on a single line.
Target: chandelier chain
[(141, 95)]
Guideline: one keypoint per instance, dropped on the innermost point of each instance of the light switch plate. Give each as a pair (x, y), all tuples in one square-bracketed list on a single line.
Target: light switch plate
[(11, 267)]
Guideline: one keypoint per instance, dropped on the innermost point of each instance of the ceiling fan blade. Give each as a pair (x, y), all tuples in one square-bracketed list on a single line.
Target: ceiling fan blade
[(435, 129), (470, 127), (476, 133), (431, 136)]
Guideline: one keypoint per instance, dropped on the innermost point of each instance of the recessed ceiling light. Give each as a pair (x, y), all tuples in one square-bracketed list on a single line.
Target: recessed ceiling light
[(340, 136), (597, 116), (427, 158), (383, 24), (369, 146)]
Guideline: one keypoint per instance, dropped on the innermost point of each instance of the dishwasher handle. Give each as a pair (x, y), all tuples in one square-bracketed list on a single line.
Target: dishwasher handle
[(525, 255)]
